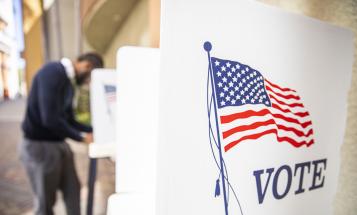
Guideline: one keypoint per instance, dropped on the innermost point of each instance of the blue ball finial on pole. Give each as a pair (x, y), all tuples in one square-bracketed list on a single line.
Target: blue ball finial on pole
[(207, 46)]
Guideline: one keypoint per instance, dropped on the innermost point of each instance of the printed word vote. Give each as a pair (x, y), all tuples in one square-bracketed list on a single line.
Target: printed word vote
[(314, 169)]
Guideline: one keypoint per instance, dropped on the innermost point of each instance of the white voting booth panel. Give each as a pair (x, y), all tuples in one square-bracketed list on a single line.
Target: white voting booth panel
[(252, 122), (103, 112), (137, 114)]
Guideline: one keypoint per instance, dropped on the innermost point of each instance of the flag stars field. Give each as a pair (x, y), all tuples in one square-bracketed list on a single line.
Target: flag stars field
[(250, 83)]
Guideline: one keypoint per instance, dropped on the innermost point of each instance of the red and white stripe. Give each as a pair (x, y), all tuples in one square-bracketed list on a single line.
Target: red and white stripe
[(286, 119), (111, 97)]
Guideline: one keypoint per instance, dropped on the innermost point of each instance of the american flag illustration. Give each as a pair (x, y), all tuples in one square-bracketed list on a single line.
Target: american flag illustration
[(110, 93), (249, 107), (110, 98)]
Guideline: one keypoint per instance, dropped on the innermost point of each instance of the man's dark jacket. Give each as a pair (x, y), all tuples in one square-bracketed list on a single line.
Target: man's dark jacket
[(49, 114)]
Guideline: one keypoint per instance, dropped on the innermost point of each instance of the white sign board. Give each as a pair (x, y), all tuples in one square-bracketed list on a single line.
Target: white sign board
[(137, 117), (251, 122), (103, 112)]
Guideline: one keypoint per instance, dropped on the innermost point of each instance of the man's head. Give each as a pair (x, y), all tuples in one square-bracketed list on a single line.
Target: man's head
[(84, 65)]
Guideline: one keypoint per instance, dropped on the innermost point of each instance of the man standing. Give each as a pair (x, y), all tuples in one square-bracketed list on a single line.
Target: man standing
[(49, 119)]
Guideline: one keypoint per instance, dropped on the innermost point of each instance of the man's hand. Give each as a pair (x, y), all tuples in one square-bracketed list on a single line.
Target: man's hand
[(88, 138)]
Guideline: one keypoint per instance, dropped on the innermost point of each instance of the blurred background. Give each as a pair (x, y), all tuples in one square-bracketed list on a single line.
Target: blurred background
[(33, 32)]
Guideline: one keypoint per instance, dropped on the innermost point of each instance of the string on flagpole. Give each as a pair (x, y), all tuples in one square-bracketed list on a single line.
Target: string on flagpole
[(213, 142)]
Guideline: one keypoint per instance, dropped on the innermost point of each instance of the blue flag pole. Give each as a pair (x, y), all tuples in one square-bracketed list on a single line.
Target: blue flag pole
[(208, 47)]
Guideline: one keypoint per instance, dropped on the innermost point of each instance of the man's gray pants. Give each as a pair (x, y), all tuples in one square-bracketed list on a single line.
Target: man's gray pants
[(50, 167)]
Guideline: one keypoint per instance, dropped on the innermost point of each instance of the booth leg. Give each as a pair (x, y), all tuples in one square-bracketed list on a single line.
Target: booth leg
[(91, 182)]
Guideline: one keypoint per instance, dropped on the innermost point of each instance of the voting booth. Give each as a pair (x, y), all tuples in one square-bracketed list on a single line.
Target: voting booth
[(253, 105), (242, 112), (103, 112), (103, 96), (137, 131)]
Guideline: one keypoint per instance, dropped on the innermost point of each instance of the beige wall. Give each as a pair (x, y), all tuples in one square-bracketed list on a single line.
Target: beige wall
[(342, 13), (154, 22), (134, 31), (33, 52)]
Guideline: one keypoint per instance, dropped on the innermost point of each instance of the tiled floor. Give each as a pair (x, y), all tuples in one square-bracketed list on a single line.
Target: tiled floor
[(15, 193)]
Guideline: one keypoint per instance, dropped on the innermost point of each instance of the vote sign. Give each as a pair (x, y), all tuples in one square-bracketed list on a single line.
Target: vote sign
[(252, 115)]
